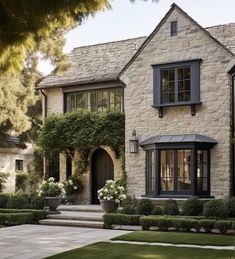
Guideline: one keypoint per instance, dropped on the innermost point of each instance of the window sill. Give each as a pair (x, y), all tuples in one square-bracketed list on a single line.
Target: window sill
[(174, 197), (192, 104)]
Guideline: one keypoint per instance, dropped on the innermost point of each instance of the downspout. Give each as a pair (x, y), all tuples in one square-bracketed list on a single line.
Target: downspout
[(45, 157), (232, 136), (45, 103)]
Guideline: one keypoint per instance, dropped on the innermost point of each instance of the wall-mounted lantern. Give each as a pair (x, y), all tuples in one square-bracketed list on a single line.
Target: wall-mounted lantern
[(133, 143)]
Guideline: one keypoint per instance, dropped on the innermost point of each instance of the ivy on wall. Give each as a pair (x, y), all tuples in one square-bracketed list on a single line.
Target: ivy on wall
[(81, 130)]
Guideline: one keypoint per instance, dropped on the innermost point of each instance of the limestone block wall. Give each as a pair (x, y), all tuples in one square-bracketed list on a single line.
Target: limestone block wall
[(7, 164), (212, 117), (55, 100)]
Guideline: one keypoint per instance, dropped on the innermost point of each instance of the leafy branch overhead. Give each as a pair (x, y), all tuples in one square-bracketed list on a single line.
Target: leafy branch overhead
[(82, 130)]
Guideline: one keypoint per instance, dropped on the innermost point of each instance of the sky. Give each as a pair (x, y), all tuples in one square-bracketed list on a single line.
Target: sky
[(129, 20)]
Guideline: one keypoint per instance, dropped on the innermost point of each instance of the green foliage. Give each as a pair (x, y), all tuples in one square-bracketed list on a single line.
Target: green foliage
[(215, 209), (21, 180), (4, 199), (192, 207), (120, 219), (36, 202), (207, 224), (81, 130), (230, 204), (144, 207), (73, 185), (51, 188), (171, 207), (157, 211), (18, 201), (129, 205), (3, 179), (223, 225), (11, 217)]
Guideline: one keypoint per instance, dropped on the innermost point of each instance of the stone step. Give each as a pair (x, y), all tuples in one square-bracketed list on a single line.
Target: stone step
[(82, 208), (72, 223), (78, 215)]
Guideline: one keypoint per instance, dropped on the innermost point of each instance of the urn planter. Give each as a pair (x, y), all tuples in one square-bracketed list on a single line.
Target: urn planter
[(53, 203), (109, 206)]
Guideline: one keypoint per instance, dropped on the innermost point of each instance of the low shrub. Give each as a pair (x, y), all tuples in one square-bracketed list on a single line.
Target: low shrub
[(171, 207), (144, 207), (223, 225), (157, 211), (11, 219), (4, 199), (18, 201), (21, 180), (36, 214), (120, 219), (186, 224), (3, 180), (215, 209), (129, 205), (36, 202), (230, 204), (207, 224), (192, 207)]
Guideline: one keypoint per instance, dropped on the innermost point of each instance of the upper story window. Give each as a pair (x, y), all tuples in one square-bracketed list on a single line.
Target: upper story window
[(174, 28), (176, 84), (95, 100), (19, 165)]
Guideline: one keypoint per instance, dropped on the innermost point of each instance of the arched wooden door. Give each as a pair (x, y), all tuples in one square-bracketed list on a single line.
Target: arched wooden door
[(102, 170)]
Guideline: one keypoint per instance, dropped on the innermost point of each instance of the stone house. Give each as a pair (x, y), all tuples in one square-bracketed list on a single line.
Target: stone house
[(13, 159), (176, 87)]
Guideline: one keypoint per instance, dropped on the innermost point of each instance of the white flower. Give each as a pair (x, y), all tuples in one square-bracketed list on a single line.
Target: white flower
[(60, 185), (105, 190), (75, 187), (70, 182), (51, 179)]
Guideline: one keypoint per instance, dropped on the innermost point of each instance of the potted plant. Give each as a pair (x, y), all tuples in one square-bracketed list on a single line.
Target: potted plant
[(111, 195), (53, 193), (73, 186)]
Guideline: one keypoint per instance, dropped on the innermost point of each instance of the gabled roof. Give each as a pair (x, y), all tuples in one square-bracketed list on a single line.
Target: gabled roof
[(173, 7), (100, 62), (107, 61), (181, 138)]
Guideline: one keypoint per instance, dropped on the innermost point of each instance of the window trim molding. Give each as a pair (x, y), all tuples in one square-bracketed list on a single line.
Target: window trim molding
[(194, 89)]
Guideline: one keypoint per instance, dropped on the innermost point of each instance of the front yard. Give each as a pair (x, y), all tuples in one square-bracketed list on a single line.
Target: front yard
[(116, 251)]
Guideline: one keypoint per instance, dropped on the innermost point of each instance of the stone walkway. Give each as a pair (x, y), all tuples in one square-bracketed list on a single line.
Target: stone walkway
[(37, 241)]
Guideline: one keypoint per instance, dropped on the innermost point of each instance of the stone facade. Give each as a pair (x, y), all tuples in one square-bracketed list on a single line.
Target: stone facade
[(8, 156), (213, 115)]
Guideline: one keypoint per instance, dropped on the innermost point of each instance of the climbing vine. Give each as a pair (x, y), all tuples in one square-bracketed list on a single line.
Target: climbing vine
[(82, 130)]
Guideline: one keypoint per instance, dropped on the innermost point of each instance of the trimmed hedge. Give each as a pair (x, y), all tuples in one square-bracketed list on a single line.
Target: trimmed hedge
[(36, 214), (21, 201), (192, 207), (144, 207), (215, 209), (11, 219), (120, 219), (171, 207), (185, 224)]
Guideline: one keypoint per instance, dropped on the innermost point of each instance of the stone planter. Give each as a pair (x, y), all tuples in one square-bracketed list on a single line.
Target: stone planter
[(53, 203), (109, 206)]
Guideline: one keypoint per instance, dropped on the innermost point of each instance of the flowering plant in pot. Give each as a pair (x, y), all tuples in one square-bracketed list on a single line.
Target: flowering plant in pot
[(111, 195), (73, 186), (53, 192)]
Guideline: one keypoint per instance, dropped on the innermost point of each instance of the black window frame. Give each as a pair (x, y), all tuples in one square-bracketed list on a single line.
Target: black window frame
[(19, 165), (109, 90), (194, 84), (193, 164)]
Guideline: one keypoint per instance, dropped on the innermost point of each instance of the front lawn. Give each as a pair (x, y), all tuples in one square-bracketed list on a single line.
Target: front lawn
[(112, 251), (179, 238)]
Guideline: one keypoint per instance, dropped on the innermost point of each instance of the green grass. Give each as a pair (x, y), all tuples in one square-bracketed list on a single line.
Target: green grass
[(116, 251), (179, 238)]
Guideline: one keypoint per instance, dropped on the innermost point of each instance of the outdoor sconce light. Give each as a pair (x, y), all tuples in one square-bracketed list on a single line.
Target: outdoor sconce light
[(133, 143)]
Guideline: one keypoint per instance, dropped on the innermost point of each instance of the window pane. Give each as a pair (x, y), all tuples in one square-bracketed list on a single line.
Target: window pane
[(184, 172), (81, 100), (115, 100), (150, 160), (168, 86), (187, 73), (167, 170), (71, 102), (202, 170)]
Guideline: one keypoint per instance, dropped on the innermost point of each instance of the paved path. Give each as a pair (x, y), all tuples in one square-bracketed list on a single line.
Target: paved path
[(38, 241)]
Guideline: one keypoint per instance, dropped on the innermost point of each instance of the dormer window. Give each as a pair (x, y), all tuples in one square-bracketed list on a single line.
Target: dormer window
[(176, 84), (174, 28)]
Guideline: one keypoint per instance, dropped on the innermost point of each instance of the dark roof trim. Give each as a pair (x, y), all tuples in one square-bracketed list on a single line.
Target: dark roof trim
[(179, 139), (173, 6), (232, 71), (81, 82), (176, 62)]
